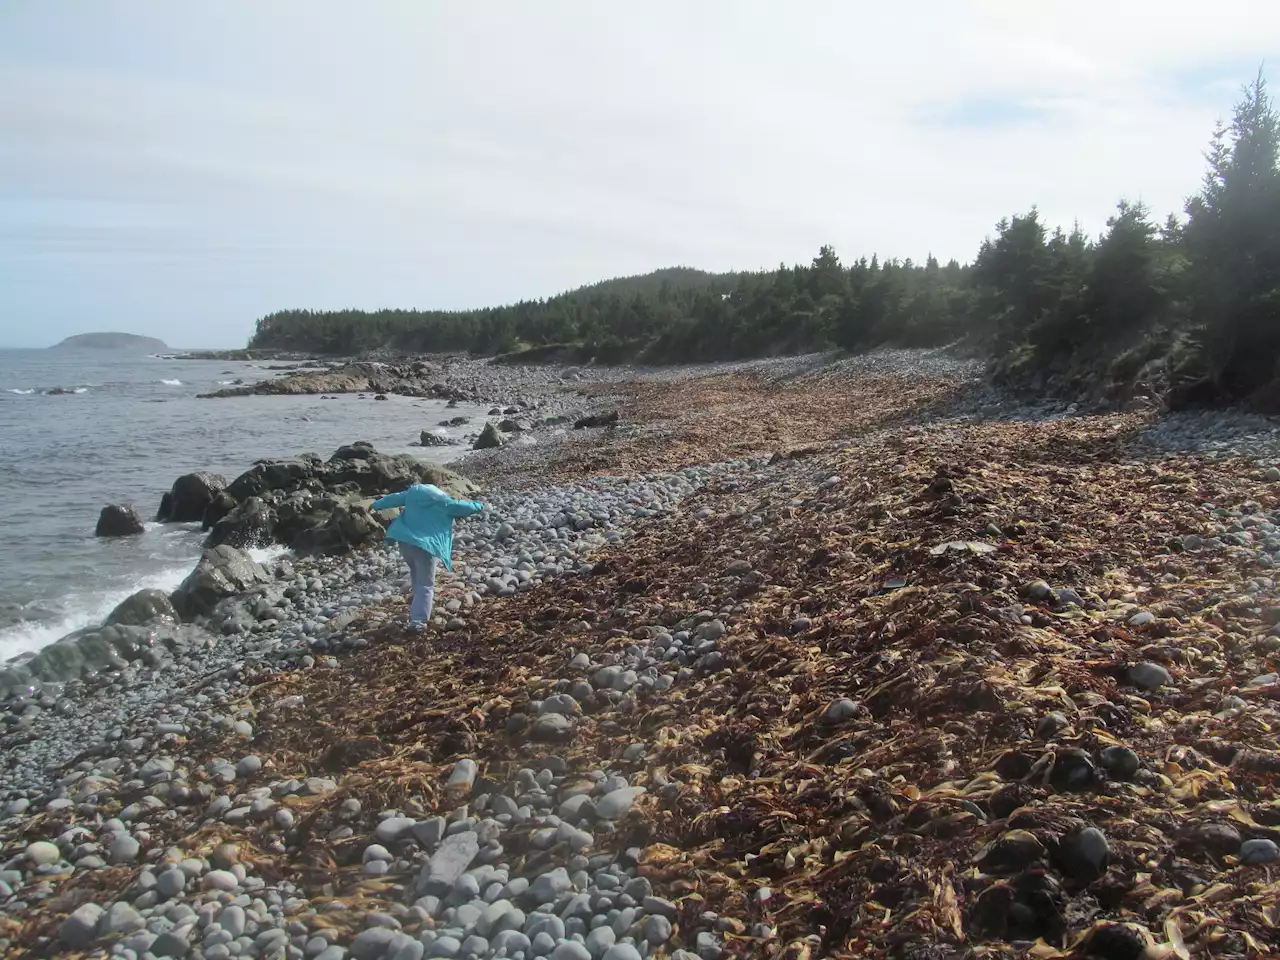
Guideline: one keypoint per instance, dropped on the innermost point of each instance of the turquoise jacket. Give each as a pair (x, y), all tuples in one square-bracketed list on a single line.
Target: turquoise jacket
[(427, 519)]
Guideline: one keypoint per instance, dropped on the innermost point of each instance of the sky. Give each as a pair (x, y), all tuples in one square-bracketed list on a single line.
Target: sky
[(179, 168)]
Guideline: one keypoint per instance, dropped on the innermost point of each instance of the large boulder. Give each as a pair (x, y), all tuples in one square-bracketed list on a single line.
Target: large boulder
[(430, 438), (250, 524), (218, 508), (489, 438), (267, 475), (145, 606), (346, 527), (360, 450), (119, 520), (190, 496), (223, 571)]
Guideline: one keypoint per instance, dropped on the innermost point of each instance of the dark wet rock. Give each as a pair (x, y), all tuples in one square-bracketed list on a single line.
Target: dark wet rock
[(1084, 854), (1073, 769), (1259, 851), (1116, 941), (145, 606), (1120, 763), (430, 439), (222, 504), (1219, 839), (189, 497), (222, 572), (250, 524), (490, 437), (119, 520), (1012, 852), (1050, 725), (608, 419), (1149, 676)]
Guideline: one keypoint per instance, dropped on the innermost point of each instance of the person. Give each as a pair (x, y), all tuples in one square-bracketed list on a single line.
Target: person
[(424, 533)]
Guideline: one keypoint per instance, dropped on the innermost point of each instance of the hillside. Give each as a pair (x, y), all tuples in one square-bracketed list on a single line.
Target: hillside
[(111, 341), (1183, 310)]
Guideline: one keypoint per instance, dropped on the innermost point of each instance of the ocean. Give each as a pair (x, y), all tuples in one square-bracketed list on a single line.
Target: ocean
[(129, 428)]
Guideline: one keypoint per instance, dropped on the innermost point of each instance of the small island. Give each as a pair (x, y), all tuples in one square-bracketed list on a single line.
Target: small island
[(111, 341)]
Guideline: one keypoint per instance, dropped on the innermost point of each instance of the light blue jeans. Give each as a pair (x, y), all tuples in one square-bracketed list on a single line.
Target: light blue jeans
[(422, 572)]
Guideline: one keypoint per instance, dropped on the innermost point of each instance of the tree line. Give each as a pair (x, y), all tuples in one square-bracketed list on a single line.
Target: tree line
[(1193, 300)]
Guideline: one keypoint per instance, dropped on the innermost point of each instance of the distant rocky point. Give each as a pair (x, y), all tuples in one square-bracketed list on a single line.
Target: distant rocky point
[(112, 341)]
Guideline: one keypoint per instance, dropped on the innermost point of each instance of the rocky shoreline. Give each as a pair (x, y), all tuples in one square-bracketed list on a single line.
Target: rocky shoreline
[(951, 677)]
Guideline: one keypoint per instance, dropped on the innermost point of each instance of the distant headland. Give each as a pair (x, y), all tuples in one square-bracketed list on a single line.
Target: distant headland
[(111, 341)]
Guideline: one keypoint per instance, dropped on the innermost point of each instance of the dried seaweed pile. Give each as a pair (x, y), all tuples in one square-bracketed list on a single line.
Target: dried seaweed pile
[(982, 692), (667, 424), (940, 726)]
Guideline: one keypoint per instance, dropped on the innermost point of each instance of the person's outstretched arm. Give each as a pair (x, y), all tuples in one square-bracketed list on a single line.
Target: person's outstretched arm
[(389, 501), (463, 508)]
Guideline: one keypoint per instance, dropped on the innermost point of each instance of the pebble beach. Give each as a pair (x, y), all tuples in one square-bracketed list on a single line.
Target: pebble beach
[(803, 657)]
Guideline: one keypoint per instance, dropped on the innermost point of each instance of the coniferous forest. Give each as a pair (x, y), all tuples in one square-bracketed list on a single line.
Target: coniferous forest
[(1190, 302)]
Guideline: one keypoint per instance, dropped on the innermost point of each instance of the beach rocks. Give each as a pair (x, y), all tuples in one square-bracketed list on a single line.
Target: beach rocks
[(1149, 676), (606, 419), (224, 571), (448, 863), (144, 607), (1259, 851), (119, 520), (490, 438), (553, 727), (189, 497), (434, 438), (81, 926), (248, 524)]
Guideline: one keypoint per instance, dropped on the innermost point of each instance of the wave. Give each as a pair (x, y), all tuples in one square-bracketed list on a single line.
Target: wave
[(172, 383), (21, 393), (267, 554), (86, 610)]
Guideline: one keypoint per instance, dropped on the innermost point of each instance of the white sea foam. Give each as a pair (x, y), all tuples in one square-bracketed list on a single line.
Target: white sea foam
[(172, 383), (267, 554), (21, 393), (82, 611)]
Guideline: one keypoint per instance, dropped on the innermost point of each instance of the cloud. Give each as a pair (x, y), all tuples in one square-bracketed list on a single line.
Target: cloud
[(451, 155)]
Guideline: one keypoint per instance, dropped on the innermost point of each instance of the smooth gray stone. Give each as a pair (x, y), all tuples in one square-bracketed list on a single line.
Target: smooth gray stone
[(81, 925), (448, 863)]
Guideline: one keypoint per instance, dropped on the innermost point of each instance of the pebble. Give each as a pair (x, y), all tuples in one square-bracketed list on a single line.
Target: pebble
[(42, 853), (618, 803), (839, 710), (657, 929), (219, 880), (1259, 851), (173, 943), (393, 828), (80, 926), (1149, 676), (120, 918), (550, 885), (372, 943), (571, 950), (1121, 762), (600, 939), (125, 849)]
